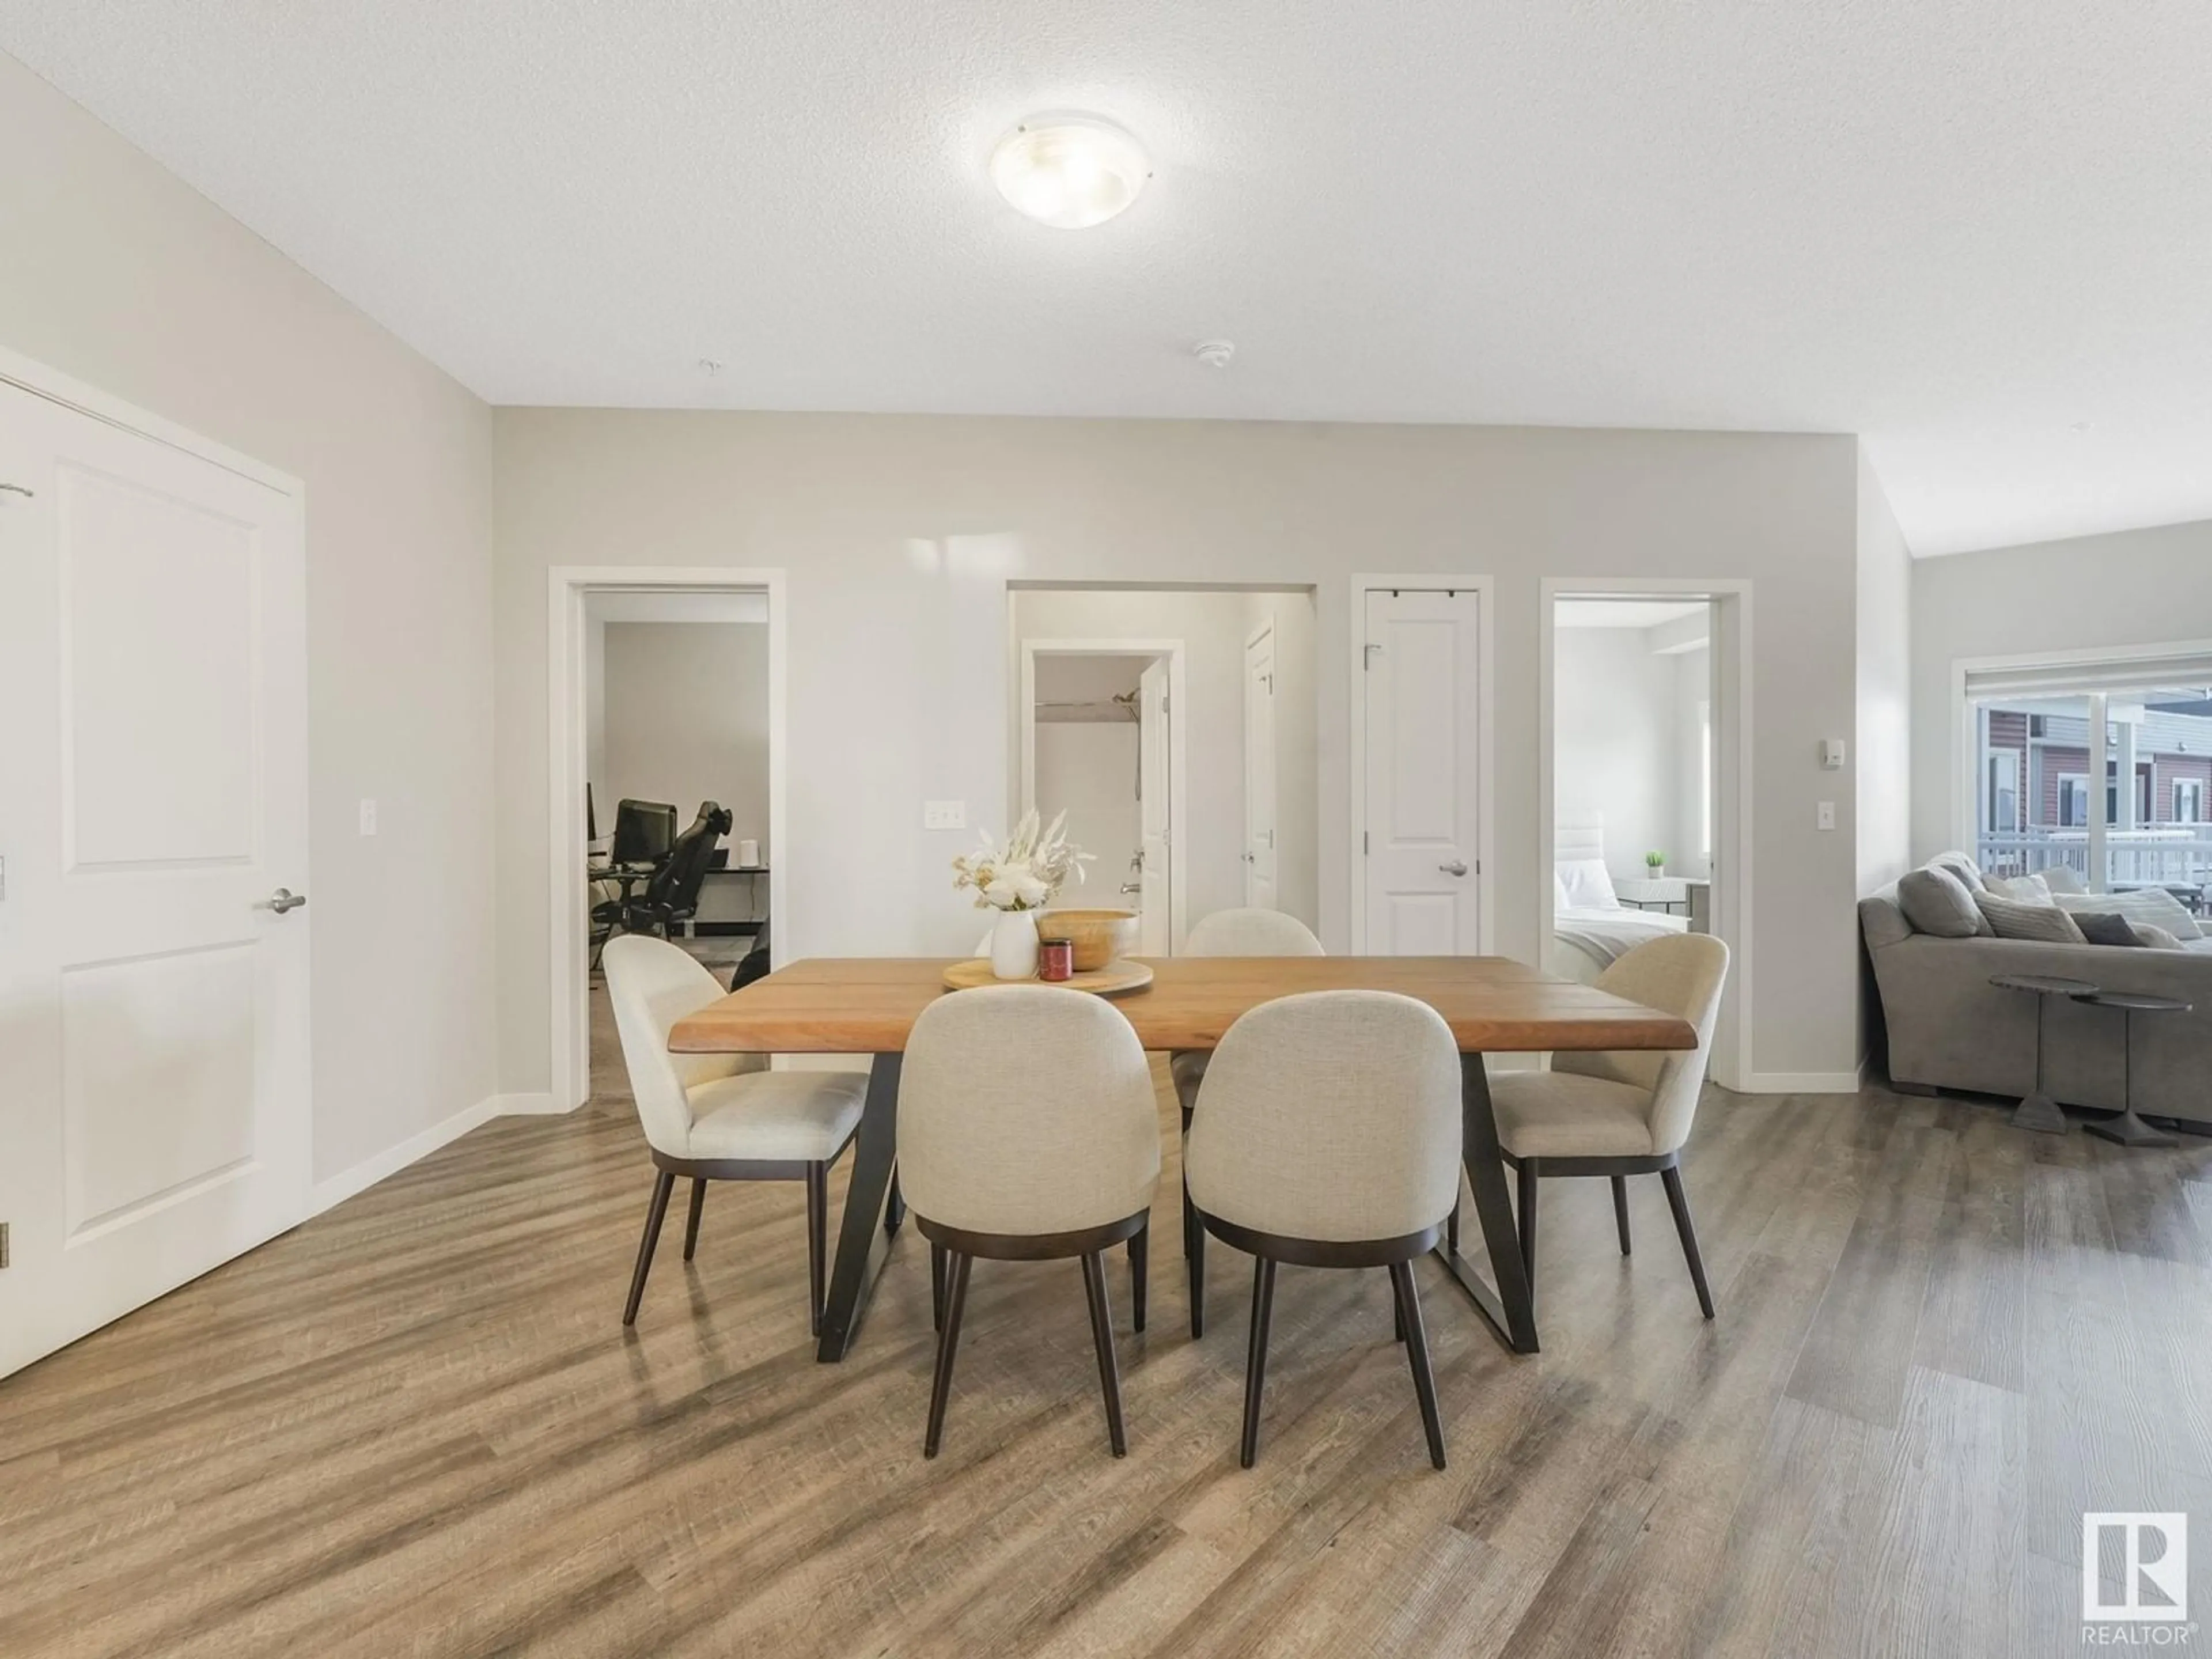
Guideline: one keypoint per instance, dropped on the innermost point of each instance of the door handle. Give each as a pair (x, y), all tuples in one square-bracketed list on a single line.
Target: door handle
[(283, 900), (1132, 887), (1455, 868)]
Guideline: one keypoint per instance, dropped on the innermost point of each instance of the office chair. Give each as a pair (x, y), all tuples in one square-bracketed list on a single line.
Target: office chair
[(673, 894)]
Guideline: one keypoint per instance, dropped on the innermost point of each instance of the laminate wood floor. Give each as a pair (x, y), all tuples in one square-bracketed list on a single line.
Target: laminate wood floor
[(415, 1426)]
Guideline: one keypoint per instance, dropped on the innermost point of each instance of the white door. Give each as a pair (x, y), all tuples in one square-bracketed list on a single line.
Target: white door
[(1259, 770), (1155, 775), (154, 1057), (1423, 780)]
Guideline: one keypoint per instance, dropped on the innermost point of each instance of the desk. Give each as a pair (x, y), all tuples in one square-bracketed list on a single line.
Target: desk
[(869, 1005)]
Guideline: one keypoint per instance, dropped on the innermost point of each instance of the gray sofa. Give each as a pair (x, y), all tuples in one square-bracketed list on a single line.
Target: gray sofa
[(1949, 1028)]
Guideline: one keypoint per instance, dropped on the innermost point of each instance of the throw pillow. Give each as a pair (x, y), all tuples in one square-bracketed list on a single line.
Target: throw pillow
[(2152, 904), (1935, 900), (2106, 930), (2044, 922), (2023, 889), (2153, 937), (1962, 865)]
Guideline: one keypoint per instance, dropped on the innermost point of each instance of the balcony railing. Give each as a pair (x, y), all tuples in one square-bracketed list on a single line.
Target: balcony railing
[(2176, 855)]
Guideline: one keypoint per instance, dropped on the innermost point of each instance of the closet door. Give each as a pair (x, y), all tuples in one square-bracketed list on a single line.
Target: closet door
[(153, 1044), (1422, 696)]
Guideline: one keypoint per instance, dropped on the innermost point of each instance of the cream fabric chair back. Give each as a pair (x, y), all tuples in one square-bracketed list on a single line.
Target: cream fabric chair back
[(1252, 933), (1682, 975), (1333, 1115), (1024, 1109), (653, 984)]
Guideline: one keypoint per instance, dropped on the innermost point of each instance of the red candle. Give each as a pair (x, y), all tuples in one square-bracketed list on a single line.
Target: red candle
[(1056, 959)]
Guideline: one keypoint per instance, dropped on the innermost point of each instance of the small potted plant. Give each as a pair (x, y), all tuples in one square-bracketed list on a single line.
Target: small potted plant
[(1655, 865), (1018, 880)]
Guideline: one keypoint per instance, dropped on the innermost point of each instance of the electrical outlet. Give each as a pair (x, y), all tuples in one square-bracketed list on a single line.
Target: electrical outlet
[(944, 815), (1824, 815), (367, 817)]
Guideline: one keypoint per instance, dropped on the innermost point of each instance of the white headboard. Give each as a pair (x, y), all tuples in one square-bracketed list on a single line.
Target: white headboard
[(1577, 838)]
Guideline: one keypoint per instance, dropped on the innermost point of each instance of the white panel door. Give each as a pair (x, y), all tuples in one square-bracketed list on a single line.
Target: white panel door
[(153, 1056), (1259, 770), (1424, 777), (1155, 805)]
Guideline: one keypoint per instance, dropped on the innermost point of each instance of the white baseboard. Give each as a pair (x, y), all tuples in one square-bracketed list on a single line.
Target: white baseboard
[(1803, 1083), (390, 1162), (539, 1104)]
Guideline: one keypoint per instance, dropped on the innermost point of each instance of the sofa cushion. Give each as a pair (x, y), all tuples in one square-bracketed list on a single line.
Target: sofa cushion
[(2152, 937), (2044, 922), (2100, 929), (2024, 890), (1935, 900), (2151, 904)]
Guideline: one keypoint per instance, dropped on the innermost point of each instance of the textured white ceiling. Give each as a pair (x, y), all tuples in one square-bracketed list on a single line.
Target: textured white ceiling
[(1979, 233)]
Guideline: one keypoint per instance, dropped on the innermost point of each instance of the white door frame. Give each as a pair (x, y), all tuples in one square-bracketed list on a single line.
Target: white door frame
[(1485, 588), (567, 985), (1732, 1066), (1178, 714), (1266, 630)]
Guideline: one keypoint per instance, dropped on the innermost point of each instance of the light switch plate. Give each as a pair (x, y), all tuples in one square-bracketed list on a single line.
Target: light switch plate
[(944, 815), (368, 818), (1824, 816)]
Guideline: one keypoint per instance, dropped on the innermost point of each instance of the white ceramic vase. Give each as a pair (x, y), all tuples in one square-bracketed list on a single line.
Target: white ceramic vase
[(1014, 944)]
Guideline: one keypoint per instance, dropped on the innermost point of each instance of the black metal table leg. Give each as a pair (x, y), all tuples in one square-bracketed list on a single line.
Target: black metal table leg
[(865, 1202), (1508, 1308)]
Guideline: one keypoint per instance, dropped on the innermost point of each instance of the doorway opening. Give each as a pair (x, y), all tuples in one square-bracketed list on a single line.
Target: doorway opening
[(667, 778), (1176, 728), (1644, 799)]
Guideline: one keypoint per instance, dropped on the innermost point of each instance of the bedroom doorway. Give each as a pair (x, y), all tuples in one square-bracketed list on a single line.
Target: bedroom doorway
[(1643, 791)]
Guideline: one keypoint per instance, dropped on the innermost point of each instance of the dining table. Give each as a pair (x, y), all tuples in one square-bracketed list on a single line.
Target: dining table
[(868, 1005)]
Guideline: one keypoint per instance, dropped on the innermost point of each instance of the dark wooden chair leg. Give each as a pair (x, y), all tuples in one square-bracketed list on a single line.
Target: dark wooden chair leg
[(1102, 1337), (1140, 1243), (1417, 1355), (691, 1226), (1451, 1227), (1397, 1319), (1195, 1271), (1256, 1356), (937, 1265), (817, 1242), (894, 1207), (663, 1184), (948, 1341), (1527, 1223), (1620, 1209), (1679, 1201), (1190, 1228)]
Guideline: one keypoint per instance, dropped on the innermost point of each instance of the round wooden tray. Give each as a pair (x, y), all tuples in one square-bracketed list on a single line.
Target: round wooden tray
[(1110, 981)]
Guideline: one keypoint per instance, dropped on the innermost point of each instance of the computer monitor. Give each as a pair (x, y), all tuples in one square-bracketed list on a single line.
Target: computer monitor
[(644, 832)]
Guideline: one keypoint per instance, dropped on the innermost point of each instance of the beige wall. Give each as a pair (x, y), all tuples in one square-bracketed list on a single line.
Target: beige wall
[(686, 721), (1883, 742), (1622, 746), (900, 534), (2132, 588), (116, 273)]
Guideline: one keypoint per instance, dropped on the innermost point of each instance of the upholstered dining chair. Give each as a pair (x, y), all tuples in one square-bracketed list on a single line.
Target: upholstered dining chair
[(720, 1118), (1240, 933), (1620, 1113), (1027, 1131), (1327, 1134)]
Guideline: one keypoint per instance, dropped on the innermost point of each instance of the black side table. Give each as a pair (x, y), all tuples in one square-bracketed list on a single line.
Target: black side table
[(2127, 1128), (2038, 1111)]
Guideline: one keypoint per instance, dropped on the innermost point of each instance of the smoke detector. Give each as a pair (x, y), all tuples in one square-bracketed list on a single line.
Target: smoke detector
[(1215, 354)]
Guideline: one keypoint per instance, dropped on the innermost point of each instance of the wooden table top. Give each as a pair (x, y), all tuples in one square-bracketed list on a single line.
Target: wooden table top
[(866, 1005)]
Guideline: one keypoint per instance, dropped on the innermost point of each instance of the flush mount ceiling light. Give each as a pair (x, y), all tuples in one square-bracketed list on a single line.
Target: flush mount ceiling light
[(1069, 170)]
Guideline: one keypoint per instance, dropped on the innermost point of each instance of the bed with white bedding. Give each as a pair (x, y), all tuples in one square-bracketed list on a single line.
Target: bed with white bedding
[(1591, 928)]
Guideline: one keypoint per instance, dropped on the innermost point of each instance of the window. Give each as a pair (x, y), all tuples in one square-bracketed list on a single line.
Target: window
[(2073, 800), (2189, 800), (2002, 808)]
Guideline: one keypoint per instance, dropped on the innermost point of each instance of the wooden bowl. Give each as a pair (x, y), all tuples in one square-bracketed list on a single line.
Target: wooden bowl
[(1099, 936)]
